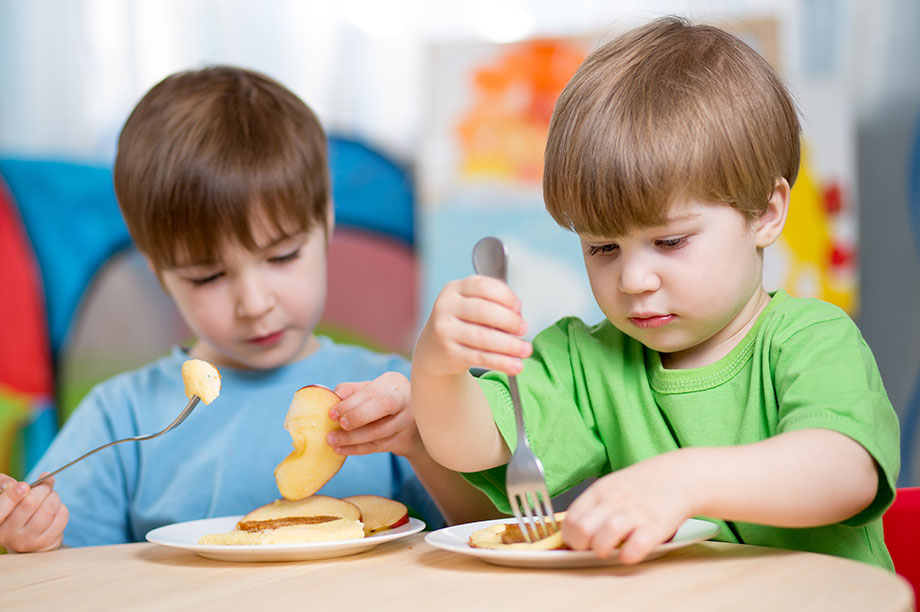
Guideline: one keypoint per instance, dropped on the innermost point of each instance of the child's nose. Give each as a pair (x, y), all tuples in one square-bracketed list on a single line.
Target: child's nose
[(637, 277), (254, 297)]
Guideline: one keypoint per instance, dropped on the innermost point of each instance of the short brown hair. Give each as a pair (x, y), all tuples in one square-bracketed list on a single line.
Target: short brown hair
[(205, 149), (667, 110)]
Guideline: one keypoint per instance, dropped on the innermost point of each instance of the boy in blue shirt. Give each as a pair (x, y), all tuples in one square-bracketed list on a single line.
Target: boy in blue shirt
[(671, 153), (222, 179)]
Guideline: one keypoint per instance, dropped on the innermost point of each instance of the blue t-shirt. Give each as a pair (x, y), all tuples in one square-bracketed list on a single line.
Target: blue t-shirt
[(220, 461)]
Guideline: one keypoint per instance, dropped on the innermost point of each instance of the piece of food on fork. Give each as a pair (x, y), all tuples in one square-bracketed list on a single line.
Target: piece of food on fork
[(201, 379)]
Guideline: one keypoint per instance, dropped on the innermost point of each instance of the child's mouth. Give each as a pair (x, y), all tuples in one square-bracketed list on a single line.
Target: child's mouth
[(651, 322), (267, 340)]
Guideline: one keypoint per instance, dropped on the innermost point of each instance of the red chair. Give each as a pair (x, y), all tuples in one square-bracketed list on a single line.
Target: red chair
[(902, 535)]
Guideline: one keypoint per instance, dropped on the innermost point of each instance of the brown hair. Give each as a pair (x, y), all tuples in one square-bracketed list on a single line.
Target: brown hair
[(667, 110), (204, 150)]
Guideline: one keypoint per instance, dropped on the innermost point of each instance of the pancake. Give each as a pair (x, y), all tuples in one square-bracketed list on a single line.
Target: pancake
[(508, 536), (329, 530)]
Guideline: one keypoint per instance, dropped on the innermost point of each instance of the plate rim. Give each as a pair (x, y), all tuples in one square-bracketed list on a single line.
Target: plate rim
[(412, 527)]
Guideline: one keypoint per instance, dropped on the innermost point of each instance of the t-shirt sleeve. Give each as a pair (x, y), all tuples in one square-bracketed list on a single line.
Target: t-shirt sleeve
[(558, 421), (92, 489), (826, 377)]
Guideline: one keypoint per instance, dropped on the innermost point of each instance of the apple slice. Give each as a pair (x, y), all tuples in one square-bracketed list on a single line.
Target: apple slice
[(312, 462), (201, 379), (315, 505), (379, 513)]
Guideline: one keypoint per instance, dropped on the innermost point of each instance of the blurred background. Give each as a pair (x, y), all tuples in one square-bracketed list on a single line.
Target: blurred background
[(437, 114)]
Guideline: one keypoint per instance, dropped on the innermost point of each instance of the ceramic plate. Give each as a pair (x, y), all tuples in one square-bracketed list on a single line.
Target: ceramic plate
[(185, 536), (456, 539)]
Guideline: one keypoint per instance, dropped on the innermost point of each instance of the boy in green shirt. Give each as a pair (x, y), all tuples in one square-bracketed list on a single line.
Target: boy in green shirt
[(671, 153)]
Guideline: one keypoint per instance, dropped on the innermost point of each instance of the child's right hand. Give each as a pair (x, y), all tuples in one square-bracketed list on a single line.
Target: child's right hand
[(475, 322), (31, 520)]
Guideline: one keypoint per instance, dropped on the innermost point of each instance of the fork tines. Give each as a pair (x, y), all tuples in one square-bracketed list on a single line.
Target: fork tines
[(528, 504)]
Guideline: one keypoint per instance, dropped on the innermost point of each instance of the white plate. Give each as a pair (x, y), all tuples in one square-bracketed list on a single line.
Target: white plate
[(456, 539), (185, 536)]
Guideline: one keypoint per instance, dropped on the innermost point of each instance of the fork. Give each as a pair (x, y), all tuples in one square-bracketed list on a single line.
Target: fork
[(525, 481), (192, 402)]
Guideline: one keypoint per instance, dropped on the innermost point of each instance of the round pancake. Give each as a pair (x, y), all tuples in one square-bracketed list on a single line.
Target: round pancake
[(328, 531)]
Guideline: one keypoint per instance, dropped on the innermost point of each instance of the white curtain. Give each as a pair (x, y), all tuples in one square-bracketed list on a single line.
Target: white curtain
[(71, 70)]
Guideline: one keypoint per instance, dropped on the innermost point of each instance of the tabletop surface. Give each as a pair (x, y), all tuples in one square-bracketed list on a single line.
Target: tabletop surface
[(410, 574)]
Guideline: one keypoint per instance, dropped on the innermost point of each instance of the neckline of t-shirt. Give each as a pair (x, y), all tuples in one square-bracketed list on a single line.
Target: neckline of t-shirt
[(664, 380)]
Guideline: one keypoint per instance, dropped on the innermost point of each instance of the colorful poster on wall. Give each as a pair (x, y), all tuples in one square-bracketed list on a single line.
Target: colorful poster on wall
[(480, 172)]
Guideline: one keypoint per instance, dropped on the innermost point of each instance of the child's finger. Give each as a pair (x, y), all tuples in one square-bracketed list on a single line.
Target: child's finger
[(611, 533), (375, 407), (639, 544), (13, 494), (385, 395), (580, 526), (44, 515), (492, 341), (488, 360), (53, 536), (347, 389), (491, 289), (482, 313), (372, 446), (381, 428)]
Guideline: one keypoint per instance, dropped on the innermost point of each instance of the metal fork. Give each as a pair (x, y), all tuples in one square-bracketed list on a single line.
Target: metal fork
[(525, 481), (192, 402)]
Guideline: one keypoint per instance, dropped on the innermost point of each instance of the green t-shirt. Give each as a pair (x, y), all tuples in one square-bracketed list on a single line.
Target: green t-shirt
[(596, 400)]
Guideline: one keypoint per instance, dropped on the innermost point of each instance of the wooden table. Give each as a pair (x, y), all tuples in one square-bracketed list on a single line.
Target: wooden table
[(409, 574)]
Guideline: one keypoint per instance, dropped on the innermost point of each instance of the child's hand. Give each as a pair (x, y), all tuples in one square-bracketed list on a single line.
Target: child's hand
[(638, 508), (475, 322), (31, 520), (375, 417)]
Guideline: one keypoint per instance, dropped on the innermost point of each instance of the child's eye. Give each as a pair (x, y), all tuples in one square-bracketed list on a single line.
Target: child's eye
[(672, 243), (198, 282), (604, 249), (286, 257)]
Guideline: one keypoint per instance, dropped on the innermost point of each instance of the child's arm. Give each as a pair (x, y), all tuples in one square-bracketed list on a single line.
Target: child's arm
[(475, 322), (31, 520), (800, 478), (376, 417)]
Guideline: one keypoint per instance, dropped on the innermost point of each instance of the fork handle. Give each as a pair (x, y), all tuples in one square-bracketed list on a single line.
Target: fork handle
[(84, 456), (518, 412), (192, 402)]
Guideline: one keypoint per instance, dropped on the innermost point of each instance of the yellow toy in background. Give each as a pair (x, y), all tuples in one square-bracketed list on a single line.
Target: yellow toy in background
[(818, 261)]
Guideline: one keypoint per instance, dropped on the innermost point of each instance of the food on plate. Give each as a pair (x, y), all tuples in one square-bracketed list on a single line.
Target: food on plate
[(302, 531), (318, 518), (379, 513), (508, 536), (312, 462), (315, 505), (201, 379)]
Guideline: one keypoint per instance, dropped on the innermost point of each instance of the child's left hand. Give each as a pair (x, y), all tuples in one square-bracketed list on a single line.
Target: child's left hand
[(637, 508), (375, 417)]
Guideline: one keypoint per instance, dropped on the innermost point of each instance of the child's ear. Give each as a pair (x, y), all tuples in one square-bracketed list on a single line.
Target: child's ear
[(770, 224)]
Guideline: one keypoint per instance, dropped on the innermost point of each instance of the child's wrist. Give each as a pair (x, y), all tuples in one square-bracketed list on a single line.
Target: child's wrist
[(689, 472)]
